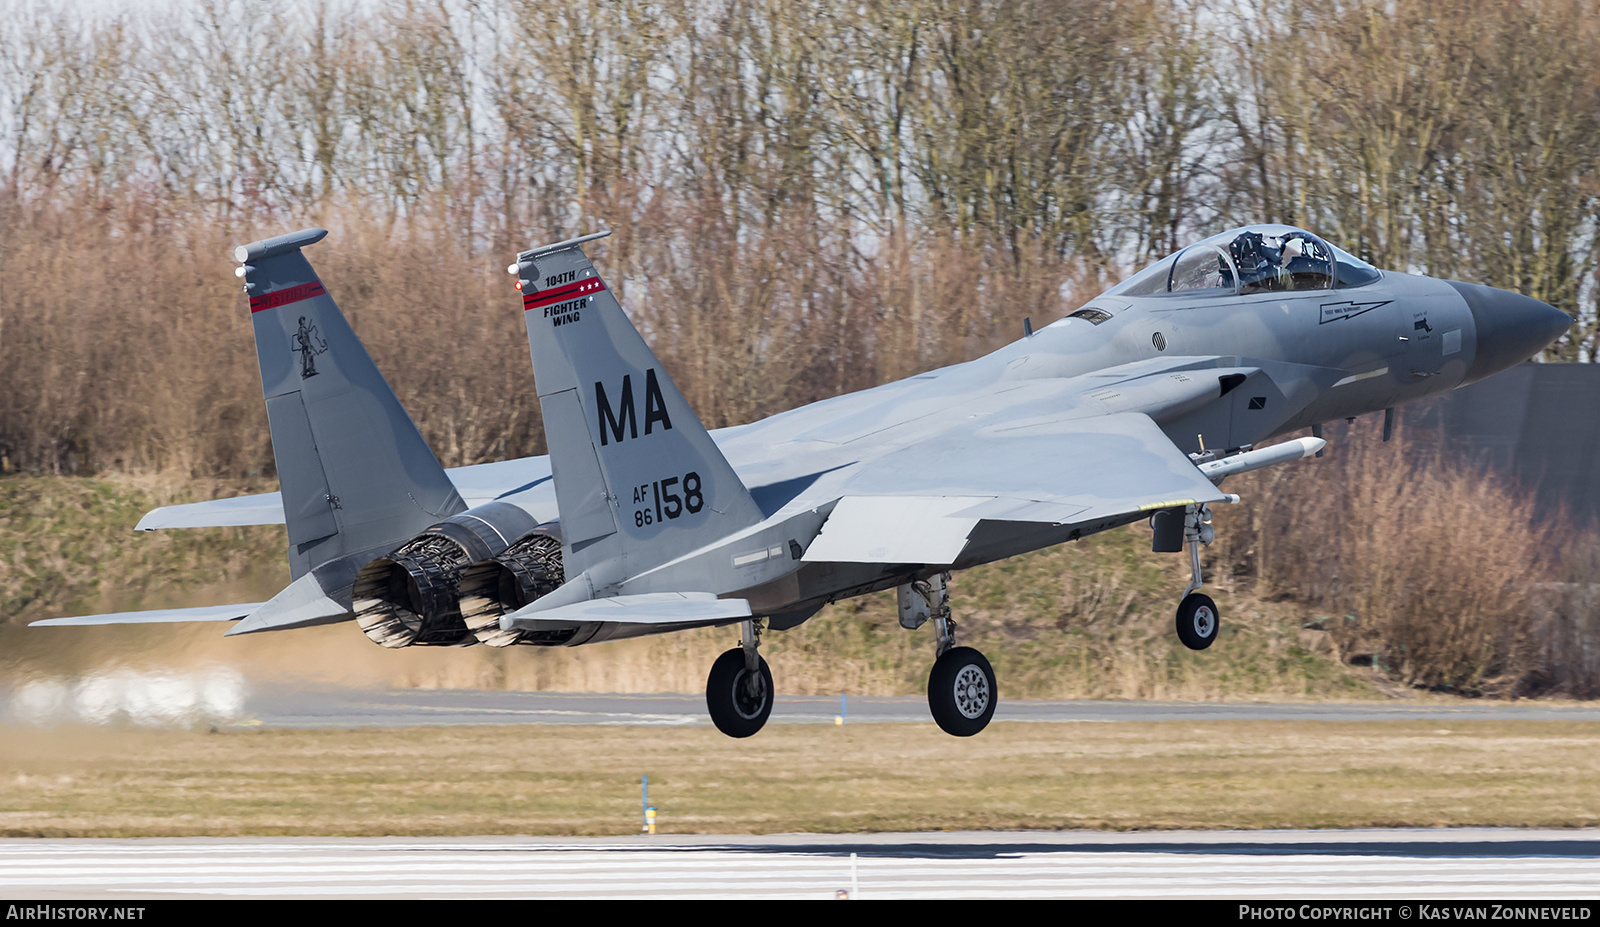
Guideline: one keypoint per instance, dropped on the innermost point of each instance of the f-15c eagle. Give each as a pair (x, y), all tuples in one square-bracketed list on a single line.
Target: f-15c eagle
[(640, 521)]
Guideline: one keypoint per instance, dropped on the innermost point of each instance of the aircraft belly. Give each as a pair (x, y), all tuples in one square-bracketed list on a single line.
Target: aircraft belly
[(616, 631), (998, 540), (779, 595)]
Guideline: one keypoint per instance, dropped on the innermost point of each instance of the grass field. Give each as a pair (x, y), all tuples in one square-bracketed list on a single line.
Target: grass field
[(558, 780)]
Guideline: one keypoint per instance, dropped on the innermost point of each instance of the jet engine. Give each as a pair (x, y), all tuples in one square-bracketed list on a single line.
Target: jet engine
[(526, 570), (411, 597)]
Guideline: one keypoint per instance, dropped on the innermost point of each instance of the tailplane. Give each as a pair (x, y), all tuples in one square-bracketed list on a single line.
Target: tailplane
[(638, 479)]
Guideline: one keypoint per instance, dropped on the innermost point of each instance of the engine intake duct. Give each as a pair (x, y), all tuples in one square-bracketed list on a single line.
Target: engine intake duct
[(528, 569), (412, 597)]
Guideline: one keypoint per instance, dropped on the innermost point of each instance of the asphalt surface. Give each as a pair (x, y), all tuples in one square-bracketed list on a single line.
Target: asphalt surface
[(224, 698), (283, 706), (1387, 866)]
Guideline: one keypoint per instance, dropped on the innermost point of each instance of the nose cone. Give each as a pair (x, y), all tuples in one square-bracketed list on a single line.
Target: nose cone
[(1511, 327)]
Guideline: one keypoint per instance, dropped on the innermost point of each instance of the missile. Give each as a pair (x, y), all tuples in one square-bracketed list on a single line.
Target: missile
[(1264, 457)]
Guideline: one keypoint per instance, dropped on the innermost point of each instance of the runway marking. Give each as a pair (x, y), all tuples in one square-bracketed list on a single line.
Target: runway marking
[(903, 869)]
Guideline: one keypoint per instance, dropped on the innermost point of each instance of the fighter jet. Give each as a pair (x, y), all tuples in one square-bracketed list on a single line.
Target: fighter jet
[(1133, 408)]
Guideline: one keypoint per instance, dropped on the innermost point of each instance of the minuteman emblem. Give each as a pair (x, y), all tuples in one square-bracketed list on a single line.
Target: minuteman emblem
[(1338, 312), (308, 343)]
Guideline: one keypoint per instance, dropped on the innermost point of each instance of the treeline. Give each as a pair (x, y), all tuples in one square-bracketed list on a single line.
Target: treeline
[(806, 198), (1419, 566)]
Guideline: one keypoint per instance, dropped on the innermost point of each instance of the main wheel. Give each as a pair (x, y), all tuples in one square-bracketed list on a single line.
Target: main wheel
[(961, 691), (1197, 621), (739, 704)]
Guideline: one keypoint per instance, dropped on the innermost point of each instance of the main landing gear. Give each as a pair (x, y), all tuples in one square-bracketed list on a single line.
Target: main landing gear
[(1198, 619), (961, 688), (739, 691)]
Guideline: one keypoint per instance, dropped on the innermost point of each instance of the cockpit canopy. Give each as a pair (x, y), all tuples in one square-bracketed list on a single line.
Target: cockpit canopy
[(1253, 259)]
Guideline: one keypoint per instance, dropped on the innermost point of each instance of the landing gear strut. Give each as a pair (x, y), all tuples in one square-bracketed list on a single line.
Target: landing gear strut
[(1198, 619), (961, 688), (739, 690)]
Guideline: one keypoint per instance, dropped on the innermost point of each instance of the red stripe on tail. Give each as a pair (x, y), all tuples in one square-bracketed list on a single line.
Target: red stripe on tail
[(570, 291), (284, 297)]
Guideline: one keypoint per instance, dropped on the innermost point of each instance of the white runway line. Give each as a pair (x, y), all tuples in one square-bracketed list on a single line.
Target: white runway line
[(215, 868)]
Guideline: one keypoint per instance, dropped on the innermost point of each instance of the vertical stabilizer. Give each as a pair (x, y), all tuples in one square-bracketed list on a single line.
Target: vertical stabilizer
[(355, 472), (638, 479)]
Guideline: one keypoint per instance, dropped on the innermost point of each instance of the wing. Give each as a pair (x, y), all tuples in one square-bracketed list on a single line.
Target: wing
[(1083, 453), (920, 504)]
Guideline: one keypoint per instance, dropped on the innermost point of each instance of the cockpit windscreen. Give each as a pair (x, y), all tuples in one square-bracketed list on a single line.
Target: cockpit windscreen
[(1249, 260)]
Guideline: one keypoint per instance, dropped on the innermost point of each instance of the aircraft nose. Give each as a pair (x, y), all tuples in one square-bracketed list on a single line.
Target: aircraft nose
[(1511, 327)]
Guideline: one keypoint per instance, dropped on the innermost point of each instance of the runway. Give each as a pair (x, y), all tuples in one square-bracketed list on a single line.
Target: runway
[(227, 699), (283, 706), (1382, 865)]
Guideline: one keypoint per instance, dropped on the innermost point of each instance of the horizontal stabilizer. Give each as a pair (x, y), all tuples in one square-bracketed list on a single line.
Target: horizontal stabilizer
[(894, 529), (648, 608), (260, 509), (477, 484), (160, 616), (301, 604)]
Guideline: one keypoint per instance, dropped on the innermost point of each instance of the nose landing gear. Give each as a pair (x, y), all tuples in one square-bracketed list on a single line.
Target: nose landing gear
[(1198, 619)]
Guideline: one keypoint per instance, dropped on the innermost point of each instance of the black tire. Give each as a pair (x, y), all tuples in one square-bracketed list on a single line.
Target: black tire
[(733, 710), (962, 692), (1198, 621)]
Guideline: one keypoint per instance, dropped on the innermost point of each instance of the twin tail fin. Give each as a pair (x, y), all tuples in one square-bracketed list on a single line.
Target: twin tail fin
[(355, 472), (638, 479)]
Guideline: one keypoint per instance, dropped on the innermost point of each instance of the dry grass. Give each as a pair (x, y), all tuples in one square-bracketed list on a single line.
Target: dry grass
[(1424, 566), (885, 777)]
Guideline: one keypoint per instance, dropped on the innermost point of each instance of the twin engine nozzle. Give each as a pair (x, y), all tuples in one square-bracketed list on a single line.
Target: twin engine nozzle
[(449, 585)]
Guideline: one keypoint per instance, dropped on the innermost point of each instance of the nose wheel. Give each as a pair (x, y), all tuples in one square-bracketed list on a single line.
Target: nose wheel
[(1197, 621), (739, 691), (1198, 618)]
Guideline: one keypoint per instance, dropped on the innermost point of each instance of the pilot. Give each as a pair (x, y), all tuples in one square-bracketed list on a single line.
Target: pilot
[(1263, 261), (1248, 251)]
